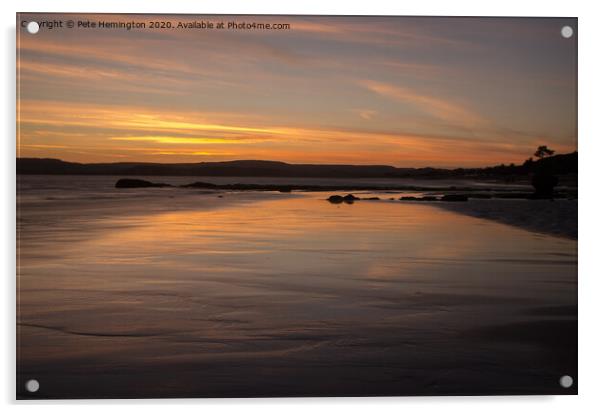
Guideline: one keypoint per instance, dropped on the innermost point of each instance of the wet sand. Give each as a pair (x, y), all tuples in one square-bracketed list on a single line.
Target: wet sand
[(555, 217), (185, 294)]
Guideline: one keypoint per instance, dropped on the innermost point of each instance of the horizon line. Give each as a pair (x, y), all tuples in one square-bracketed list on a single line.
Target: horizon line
[(286, 163)]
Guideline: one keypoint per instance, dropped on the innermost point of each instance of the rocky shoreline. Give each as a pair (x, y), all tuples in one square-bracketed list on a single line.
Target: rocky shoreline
[(446, 194)]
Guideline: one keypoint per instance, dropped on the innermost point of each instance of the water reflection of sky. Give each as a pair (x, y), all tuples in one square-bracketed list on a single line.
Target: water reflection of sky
[(293, 278)]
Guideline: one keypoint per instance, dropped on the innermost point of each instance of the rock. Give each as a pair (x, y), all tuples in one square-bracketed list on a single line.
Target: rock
[(414, 198), (337, 199), (350, 198), (373, 198), (138, 183), (200, 185), (454, 198)]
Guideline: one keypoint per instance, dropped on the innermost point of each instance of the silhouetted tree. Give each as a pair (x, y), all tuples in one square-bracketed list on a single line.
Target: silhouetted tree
[(543, 151)]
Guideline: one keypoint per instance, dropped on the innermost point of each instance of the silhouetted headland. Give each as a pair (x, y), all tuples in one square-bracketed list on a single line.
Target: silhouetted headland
[(563, 165)]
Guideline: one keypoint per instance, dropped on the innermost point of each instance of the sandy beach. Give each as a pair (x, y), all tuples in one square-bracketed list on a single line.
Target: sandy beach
[(558, 217)]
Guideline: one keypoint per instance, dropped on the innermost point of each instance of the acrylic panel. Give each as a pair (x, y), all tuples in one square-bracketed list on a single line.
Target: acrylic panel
[(279, 206)]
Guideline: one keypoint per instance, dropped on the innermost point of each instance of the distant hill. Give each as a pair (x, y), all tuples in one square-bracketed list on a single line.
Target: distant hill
[(231, 168), (559, 164)]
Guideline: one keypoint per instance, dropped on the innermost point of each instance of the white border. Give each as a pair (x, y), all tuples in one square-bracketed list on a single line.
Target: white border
[(590, 246)]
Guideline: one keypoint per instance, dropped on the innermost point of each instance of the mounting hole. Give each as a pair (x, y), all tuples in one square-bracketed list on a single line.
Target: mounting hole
[(33, 27), (32, 386), (566, 381), (566, 32)]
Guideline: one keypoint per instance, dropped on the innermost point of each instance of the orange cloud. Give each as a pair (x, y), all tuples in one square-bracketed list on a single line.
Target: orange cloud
[(127, 131), (183, 141)]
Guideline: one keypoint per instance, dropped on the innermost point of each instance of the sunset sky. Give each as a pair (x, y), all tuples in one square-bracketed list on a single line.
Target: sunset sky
[(380, 90)]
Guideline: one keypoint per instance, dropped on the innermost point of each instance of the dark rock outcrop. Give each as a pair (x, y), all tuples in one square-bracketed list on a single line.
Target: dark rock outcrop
[(338, 199), (454, 198), (138, 183), (414, 198), (204, 185), (350, 198)]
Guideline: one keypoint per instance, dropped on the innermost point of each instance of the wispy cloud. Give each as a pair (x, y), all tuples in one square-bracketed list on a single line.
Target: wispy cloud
[(43, 146), (185, 140), (438, 107), (366, 114)]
